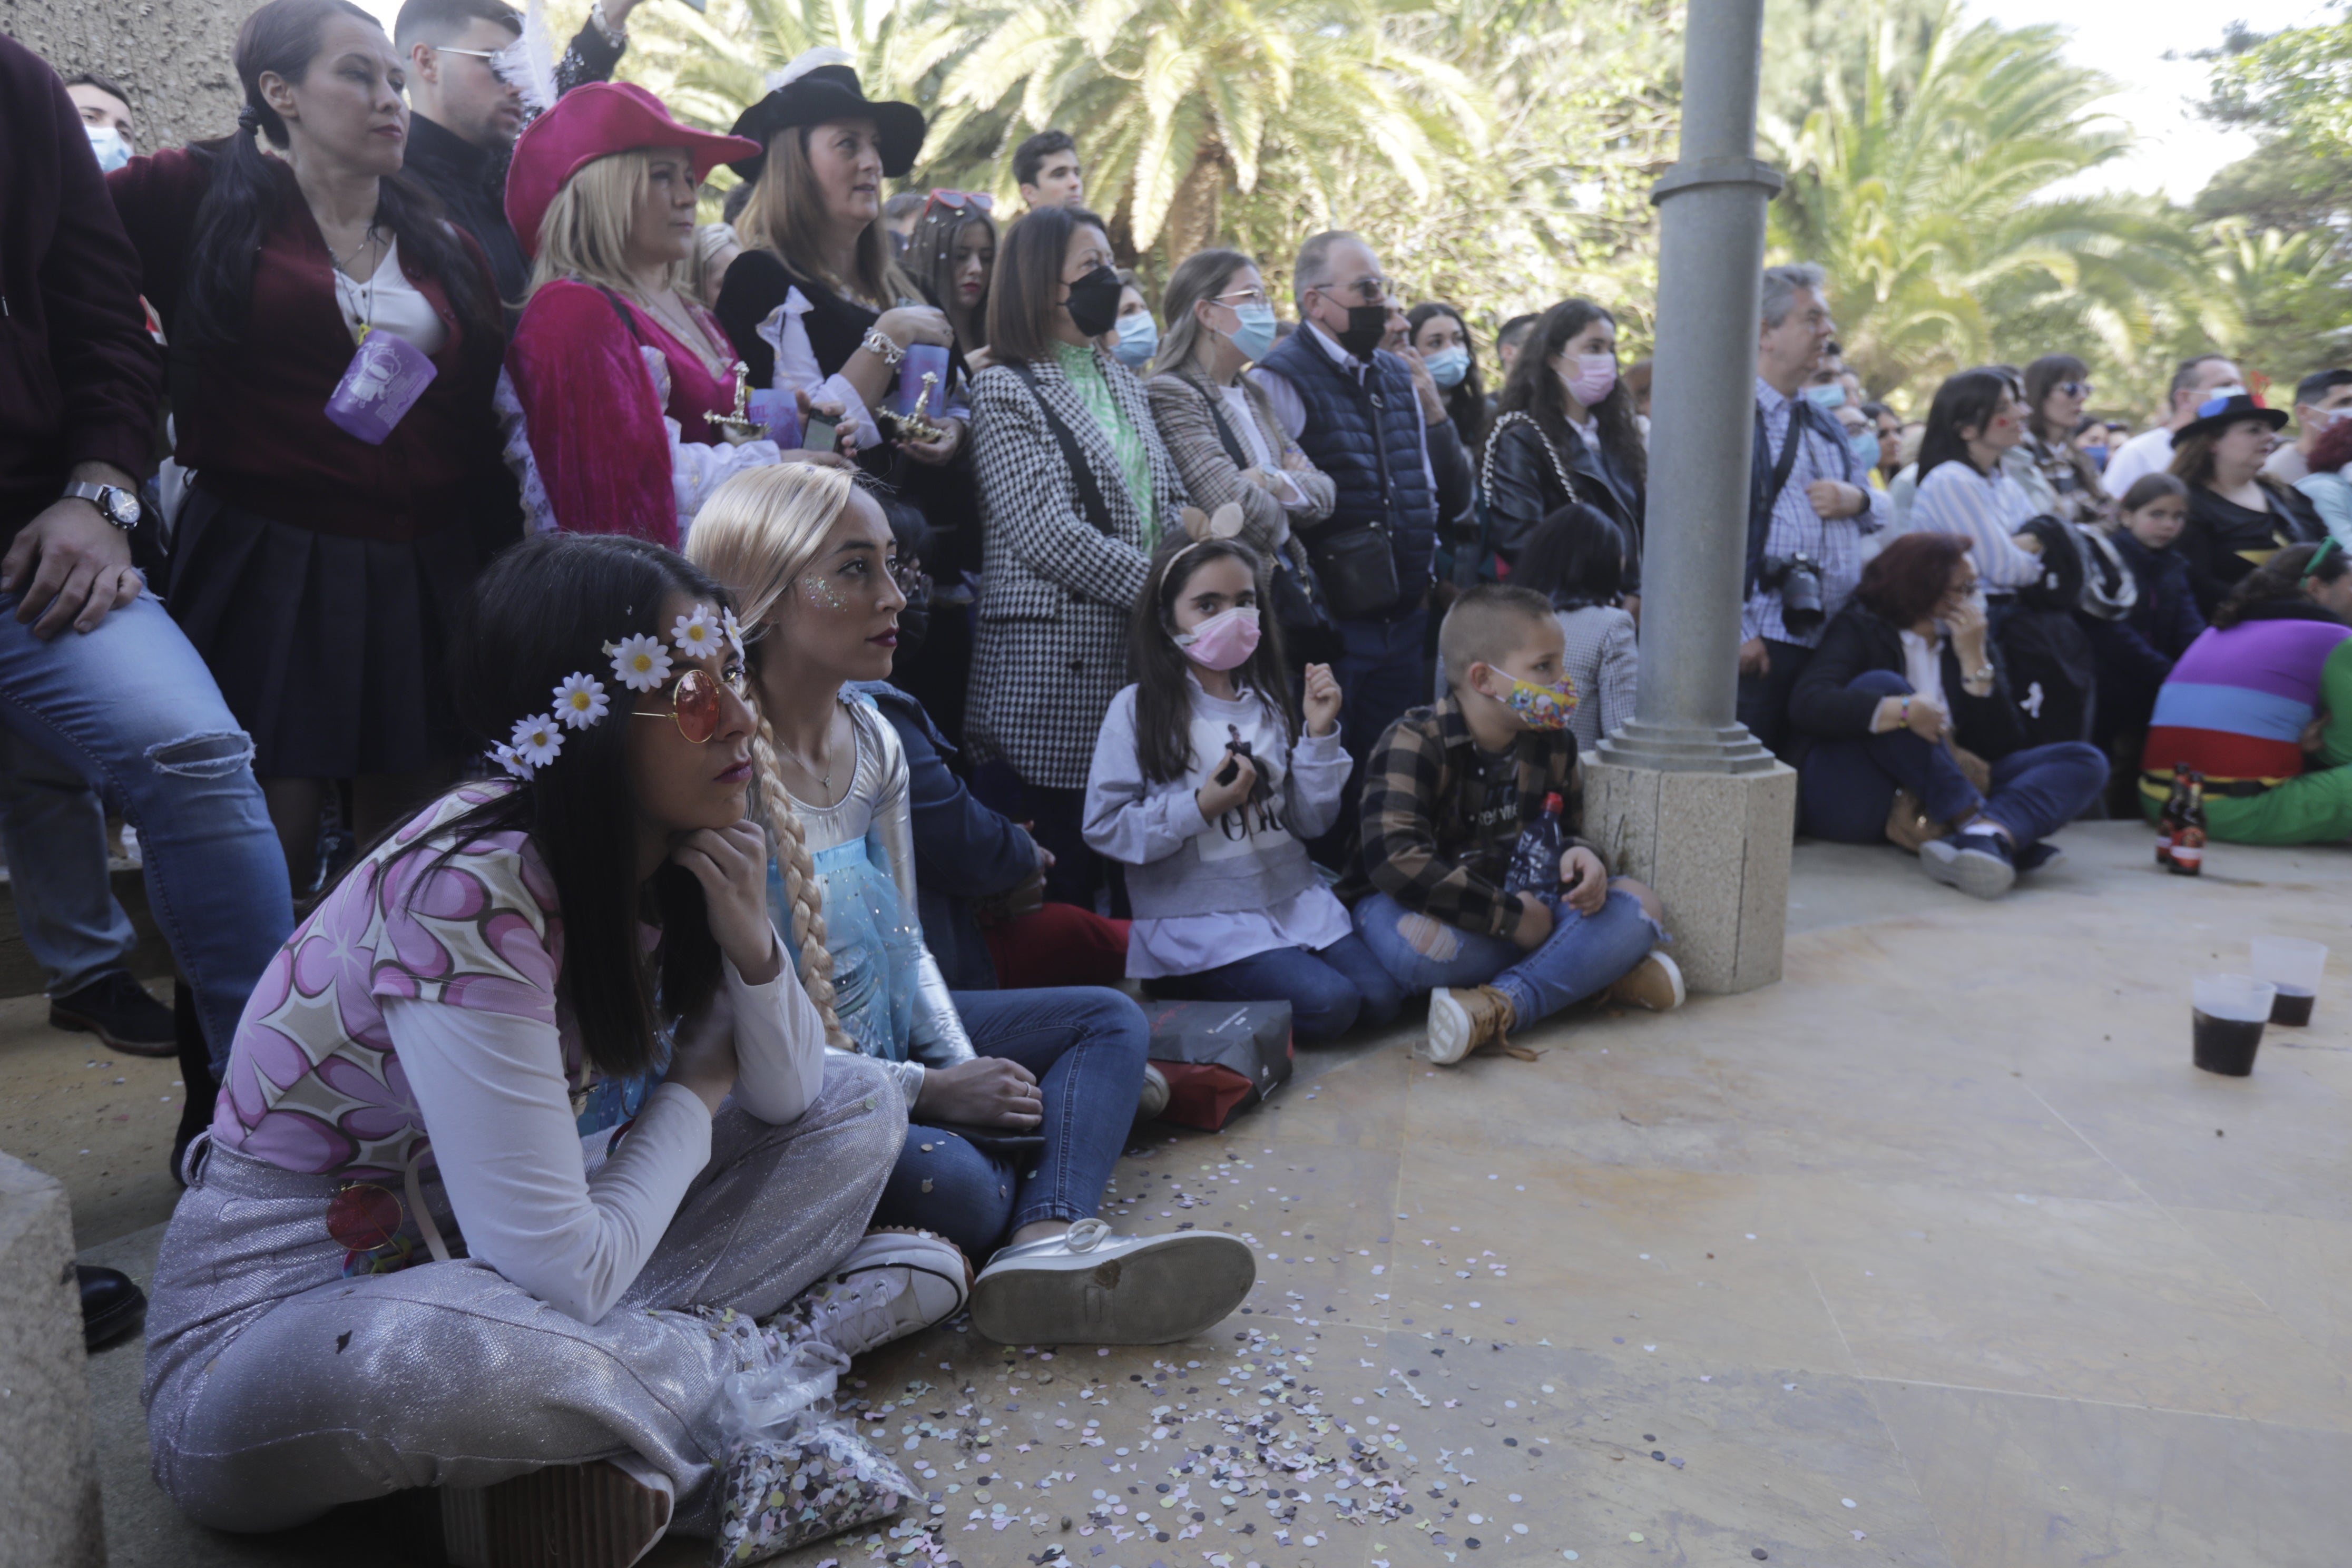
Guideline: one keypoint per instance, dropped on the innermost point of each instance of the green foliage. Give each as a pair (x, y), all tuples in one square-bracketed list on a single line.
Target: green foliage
[(1921, 187), (1496, 152)]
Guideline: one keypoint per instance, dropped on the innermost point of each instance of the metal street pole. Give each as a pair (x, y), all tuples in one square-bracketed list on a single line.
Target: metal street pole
[(1703, 410)]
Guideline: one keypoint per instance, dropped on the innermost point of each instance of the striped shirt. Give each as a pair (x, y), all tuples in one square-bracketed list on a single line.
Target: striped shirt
[(1833, 542), (1988, 508), (2235, 705)]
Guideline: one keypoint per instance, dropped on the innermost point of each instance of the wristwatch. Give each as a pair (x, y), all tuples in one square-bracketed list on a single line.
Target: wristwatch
[(117, 505)]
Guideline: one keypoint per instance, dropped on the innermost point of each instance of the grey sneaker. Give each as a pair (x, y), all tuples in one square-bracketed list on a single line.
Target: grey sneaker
[(1978, 864), (1153, 1099), (893, 1283), (1089, 1287)]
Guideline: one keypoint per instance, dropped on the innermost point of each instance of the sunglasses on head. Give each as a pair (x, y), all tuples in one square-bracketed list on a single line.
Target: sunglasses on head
[(694, 701), (956, 201)]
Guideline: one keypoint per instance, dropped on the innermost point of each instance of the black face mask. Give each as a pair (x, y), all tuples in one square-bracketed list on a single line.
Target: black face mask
[(1094, 302), (1366, 325)]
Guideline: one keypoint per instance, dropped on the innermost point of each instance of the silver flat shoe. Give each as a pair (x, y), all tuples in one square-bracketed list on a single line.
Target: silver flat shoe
[(1089, 1287)]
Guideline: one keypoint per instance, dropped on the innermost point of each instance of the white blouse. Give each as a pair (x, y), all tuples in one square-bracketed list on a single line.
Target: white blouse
[(389, 302)]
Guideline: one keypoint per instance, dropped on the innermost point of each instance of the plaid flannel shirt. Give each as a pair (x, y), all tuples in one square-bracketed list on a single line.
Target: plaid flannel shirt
[(1437, 838)]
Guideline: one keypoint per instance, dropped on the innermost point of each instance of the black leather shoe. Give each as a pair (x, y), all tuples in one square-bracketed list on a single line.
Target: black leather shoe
[(112, 1305), (118, 1010)]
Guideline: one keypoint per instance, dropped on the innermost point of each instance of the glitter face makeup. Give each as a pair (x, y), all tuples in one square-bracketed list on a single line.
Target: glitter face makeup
[(822, 594)]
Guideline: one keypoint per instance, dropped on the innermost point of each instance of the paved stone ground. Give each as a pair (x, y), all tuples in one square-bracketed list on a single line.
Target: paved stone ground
[(1938, 1253)]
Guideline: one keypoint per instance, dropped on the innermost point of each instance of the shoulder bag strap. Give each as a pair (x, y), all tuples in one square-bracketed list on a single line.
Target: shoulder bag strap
[(1552, 453), (1226, 437), (1082, 473)]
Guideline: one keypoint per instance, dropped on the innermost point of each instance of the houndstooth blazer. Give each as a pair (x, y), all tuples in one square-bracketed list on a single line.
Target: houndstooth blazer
[(1056, 592)]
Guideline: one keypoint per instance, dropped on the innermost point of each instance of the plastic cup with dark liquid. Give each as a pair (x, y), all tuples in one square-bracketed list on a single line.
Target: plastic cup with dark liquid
[(2227, 1022), (2293, 965)]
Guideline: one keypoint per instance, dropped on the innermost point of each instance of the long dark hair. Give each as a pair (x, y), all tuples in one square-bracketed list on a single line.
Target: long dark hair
[(929, 260), (1533, 386), (2281, 578), (2041, 376), (1465, 404), (250, 194), (1971, 397), (1576, 556), (543, 609), (1163, 703), (1029, 261)]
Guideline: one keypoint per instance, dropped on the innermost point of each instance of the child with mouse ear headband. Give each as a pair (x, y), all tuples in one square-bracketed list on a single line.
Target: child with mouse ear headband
[(1208, 777)]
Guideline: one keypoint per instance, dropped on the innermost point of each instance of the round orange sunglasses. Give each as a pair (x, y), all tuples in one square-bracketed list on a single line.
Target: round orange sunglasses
[(694, 701)]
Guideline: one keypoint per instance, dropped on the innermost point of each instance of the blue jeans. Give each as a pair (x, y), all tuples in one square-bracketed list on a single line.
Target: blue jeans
[(1847, 787), (1331, 990), (54, 832), (1585, 954), (1087, 1045), (135, 711)]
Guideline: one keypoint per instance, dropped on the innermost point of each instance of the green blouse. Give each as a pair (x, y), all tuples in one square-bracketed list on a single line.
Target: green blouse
[(1085, 377)]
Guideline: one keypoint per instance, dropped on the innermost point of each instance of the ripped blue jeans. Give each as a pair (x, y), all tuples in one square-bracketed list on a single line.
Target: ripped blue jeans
[(1583, 954), (132, 708)]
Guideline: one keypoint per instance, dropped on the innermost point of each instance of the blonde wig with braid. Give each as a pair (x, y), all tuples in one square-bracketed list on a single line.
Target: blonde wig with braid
[(757, 533)]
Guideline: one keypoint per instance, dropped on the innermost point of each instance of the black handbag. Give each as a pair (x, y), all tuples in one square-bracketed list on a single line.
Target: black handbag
[(1300, 607), (1356, 567)]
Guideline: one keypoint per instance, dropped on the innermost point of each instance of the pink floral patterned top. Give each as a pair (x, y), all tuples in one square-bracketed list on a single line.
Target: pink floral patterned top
[(313, 1083)]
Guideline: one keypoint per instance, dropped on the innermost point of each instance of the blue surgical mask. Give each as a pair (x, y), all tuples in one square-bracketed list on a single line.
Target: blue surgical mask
[(2099, 456), (1138, 340), (1448, 367), (1254, 333), (1829, 396), (112, 151), (1864, 444)]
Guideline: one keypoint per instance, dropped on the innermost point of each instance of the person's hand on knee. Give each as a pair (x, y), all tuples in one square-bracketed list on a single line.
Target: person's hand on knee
[(986, 1092)]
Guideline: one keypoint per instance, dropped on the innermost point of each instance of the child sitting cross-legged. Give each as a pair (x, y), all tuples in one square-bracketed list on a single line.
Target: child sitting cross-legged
[(1207, 777), (1449, 790)]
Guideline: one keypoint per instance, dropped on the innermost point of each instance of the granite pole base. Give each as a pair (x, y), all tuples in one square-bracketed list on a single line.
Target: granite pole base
[(1715, 847), (50, 1512)]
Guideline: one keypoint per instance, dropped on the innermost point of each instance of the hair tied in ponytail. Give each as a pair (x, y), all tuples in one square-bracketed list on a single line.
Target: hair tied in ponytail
[(248, 119)]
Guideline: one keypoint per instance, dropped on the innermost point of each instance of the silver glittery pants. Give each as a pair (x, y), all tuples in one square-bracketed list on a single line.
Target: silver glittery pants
[(276, 1388)]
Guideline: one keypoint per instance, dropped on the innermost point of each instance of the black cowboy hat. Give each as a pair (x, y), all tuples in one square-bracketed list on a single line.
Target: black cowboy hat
[(820, 96), (2217, 413)]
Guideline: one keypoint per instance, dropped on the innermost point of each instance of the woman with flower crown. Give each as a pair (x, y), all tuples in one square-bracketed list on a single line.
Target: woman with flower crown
[(529, 1133)]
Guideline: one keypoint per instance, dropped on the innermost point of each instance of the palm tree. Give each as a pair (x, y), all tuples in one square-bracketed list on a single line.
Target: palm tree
[(1178, 102), (1923, 192)]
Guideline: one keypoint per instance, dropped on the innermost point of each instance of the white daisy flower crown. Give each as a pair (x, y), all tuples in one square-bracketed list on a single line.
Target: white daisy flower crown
[(640, 663)]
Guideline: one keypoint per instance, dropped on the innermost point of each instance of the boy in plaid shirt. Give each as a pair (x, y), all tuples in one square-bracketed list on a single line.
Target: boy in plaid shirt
[(1449, 790)]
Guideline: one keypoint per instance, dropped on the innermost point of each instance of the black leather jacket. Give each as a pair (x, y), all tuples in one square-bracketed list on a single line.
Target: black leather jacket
[(1523, 489)]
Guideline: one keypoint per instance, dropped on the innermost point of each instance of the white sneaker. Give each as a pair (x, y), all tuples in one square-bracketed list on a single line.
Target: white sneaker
[(893, 1283), (1089, 1287)]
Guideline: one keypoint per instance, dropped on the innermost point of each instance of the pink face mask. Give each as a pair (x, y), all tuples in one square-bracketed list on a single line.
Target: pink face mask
[(1592, 379), (1223, 641)]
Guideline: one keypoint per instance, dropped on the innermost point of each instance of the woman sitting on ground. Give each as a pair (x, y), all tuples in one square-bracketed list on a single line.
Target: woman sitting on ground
[(2238, 515), (1974, 423), (2262, 706), (416, 1250), (982, 1073), (617, 378), (1904, 674), (1207, 782)]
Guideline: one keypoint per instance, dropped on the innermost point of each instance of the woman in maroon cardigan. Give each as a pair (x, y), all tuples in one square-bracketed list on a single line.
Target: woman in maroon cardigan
[(318, 561)]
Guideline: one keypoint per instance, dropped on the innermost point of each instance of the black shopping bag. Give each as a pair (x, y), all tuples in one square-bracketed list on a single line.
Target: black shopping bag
[(1219, 1057)]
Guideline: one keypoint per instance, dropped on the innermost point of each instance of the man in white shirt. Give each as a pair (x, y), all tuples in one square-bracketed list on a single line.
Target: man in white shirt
[(2150, 451), (2321, 399)]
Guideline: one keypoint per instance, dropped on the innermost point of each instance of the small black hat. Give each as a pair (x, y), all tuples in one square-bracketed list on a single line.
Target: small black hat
[(2218, 413), (820, 96)]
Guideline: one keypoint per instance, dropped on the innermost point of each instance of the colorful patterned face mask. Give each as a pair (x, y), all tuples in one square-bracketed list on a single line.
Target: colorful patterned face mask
[(1539, 707)]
